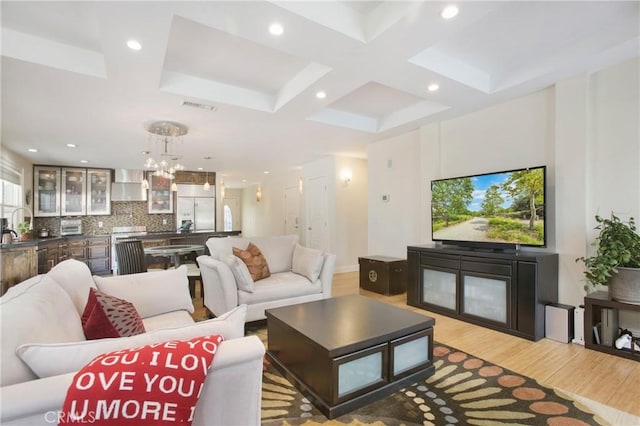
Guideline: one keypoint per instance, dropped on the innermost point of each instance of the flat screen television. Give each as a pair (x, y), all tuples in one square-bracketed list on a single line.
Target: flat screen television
[(500, 210)]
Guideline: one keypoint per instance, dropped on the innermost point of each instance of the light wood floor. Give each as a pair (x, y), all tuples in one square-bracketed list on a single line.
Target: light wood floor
[(603, 378)]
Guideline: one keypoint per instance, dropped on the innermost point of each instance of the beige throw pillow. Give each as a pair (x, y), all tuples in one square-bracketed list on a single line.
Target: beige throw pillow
[(307, 262), (240, 272)]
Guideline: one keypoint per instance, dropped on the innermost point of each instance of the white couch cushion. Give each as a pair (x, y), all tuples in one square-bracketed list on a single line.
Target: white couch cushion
[(240, 272), (220, 247), (152, 293), (281, 286), (170, 319), (307, 262), (59, 358), (39, 312), (75, 278), (277, 250)]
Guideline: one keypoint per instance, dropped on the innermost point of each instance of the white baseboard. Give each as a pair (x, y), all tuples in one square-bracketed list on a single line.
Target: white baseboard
[(346, 268)]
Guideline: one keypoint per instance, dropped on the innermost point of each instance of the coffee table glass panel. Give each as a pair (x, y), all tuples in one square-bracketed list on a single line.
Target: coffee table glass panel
[(348, 351)]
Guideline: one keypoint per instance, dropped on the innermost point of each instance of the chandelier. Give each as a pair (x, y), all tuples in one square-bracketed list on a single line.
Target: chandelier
[(166, 138)]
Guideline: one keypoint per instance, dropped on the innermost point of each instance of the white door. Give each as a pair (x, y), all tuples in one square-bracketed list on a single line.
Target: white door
[(231, 213), (317, 232), (292, 210)]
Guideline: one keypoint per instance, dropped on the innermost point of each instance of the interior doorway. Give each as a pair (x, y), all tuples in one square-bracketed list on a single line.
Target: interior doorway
[(231, 213), (292, 210), (317, 221)]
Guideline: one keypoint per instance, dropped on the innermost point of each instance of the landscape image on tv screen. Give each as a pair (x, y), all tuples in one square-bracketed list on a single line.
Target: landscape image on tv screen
[(504, 207)]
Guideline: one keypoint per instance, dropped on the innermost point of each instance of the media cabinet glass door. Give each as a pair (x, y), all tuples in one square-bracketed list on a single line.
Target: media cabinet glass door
[(486, 296), (440, 287)]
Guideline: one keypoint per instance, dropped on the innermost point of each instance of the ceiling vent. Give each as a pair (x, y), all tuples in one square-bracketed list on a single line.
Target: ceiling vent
[(197, 105)]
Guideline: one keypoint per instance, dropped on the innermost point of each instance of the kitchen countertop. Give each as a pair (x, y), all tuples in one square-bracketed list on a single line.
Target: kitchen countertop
[(34, 242)]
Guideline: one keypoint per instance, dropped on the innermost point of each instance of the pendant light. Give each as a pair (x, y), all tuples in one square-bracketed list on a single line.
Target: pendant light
[(206, 185)]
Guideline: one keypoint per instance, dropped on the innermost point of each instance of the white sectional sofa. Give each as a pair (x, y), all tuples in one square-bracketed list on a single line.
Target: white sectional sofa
[(298, 275), (43, 343)]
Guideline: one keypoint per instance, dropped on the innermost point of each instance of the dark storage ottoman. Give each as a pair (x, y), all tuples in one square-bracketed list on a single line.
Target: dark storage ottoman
[(383, 274)]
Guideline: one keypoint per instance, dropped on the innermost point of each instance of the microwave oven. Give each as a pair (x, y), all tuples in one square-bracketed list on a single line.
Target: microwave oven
[(71, 227)]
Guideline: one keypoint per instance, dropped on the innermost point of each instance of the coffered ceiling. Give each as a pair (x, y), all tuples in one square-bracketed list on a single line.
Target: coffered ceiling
[(69, 77)]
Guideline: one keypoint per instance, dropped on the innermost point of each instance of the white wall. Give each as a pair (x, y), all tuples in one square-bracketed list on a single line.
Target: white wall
[(350, 232), (394, 170), (346, 207), (584, 129)]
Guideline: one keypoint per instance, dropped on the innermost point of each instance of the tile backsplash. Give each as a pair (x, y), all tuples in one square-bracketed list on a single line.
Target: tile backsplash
[(123, 213)]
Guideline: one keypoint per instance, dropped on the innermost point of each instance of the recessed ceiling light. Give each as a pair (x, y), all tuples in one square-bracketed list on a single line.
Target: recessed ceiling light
[(433, 87), (32, 150), (276, 29), (321, 95), (84, 161), (200, 168), (266, 172), (134, 45), (449, 12), (72, 145)]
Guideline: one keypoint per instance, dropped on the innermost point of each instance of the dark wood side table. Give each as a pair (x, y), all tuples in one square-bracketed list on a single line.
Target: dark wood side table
[(383, 274)]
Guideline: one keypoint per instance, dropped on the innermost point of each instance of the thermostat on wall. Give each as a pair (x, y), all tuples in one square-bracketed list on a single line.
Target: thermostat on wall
[(385, 198)]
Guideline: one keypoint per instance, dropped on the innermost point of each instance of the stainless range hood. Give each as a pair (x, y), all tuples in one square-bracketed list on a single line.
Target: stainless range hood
[(128, 186)]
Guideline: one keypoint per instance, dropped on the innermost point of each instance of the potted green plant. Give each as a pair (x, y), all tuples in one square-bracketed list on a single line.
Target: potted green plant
[(24, 231), (616, 262)]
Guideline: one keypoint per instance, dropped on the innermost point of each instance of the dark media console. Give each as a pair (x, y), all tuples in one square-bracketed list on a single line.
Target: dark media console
[(505, 291)]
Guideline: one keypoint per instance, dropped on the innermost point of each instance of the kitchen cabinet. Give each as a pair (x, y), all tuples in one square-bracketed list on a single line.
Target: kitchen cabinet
[(73, 192), (48, 255), (94, 251), (194, 178), (160, 195), (18, 264), (98, 192), (46, 184)]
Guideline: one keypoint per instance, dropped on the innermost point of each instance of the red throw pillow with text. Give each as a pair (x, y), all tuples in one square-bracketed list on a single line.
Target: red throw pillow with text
[(156, 384), (107, 316)]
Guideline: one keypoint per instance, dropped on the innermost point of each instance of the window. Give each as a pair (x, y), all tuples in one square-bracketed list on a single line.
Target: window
[(10, 193)]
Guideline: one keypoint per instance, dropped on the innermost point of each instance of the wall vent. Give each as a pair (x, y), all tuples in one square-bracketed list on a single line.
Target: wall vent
[(197, 105)]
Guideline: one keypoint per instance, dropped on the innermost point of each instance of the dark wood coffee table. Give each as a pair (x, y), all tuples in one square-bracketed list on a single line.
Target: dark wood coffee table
[(345, 352)]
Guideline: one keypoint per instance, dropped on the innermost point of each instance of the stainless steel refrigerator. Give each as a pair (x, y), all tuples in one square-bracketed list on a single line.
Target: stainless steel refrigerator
[(198, 206)]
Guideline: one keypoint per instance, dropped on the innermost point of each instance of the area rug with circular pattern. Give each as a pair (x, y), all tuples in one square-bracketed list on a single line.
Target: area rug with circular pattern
[(464, 390)]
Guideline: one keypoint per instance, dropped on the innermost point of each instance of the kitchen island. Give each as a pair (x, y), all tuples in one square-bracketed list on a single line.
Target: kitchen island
[(24, 259)]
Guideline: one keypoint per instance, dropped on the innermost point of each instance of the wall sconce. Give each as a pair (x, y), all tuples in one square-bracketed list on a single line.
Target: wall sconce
[(300, 184), (259, 195), (222, 188), (345, 175)]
